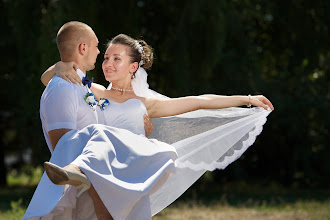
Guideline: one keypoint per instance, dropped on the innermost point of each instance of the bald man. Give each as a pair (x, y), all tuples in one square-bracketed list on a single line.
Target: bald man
[(63, 108)]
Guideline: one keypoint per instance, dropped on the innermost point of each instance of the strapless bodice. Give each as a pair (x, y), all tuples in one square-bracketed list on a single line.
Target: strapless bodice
[(127, 115)]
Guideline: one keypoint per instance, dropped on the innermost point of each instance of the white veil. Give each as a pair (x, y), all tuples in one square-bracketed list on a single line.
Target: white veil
[(204, 139)]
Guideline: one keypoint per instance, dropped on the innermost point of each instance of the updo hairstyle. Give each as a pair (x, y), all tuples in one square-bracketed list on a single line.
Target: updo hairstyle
[(135, 52)]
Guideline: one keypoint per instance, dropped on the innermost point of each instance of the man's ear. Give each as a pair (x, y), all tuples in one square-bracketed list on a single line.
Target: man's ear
[(82, 48)]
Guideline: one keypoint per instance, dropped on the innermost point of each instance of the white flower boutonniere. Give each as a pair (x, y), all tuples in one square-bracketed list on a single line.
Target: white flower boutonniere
[(90, 100), (103, 102)]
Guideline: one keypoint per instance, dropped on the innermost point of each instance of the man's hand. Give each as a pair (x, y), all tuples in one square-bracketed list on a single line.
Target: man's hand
[(148, 125)]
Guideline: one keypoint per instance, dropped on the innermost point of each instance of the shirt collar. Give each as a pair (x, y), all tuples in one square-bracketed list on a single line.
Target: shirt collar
[(80, 73)]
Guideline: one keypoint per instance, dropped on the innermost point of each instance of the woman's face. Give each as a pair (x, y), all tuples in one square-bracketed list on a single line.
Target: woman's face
[(117, 63)]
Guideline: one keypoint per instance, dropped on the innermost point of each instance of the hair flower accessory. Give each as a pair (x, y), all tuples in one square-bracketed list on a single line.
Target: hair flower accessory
[(102, 103), (90, 100), (141, 51)]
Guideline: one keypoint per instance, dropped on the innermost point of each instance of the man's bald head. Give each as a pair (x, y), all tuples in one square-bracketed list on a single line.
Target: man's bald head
[(71, 35)]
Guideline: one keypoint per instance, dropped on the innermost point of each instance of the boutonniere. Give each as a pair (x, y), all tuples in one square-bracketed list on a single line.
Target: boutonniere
[(90, 100), (103, 102)]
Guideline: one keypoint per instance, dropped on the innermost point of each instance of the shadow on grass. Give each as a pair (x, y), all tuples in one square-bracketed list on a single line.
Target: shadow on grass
[(14, 194), (207, 194)]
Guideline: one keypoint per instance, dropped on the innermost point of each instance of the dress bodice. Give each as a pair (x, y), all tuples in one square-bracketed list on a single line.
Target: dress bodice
[(127, 115)]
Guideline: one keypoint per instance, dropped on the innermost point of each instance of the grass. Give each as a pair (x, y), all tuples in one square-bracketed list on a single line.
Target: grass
[(250, 206), (202, 201), (15, 198)]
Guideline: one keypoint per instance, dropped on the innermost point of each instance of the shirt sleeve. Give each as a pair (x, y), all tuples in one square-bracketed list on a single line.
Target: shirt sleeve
[(60, 106)]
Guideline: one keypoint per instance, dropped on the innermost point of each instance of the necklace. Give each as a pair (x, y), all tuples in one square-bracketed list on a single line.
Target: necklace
[(122, 90)]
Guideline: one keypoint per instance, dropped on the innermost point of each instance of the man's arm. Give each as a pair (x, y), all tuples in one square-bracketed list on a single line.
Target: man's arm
[(56, 134), (59, 107)]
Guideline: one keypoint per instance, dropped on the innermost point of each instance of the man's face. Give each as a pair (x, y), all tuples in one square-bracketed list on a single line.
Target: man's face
[(93, 51)]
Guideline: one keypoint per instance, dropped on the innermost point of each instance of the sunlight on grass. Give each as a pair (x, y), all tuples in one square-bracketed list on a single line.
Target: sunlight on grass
[(299, 210), (194, 211), (28, 176), (15, 197), (200, 202), (16, 212)]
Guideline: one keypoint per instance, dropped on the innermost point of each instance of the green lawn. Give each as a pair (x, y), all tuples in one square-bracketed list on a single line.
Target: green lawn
[(202, 201)]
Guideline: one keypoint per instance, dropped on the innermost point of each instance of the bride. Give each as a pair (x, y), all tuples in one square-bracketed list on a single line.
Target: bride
[(137, 177)]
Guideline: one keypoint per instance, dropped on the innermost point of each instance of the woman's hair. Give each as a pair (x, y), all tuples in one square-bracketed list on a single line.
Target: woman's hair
[(134, 51)]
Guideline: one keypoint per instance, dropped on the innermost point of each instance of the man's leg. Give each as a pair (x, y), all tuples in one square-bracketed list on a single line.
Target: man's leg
[(101, 211)]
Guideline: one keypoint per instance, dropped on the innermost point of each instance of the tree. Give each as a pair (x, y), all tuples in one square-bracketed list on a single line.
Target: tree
[(279, 49)]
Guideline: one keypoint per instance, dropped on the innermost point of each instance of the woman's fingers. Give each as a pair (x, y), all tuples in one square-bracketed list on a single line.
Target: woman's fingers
[(148, 125), (262, 101), (67, 71), (74, 77), (260, 104), (268, 103)]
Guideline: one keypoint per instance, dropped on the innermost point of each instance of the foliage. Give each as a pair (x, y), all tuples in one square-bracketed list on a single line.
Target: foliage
[(16, 212), (279, 49), (238, 200), (26, 176)]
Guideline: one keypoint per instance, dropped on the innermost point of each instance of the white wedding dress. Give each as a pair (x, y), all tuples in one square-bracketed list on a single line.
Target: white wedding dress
[(137, 177), (123, 165)]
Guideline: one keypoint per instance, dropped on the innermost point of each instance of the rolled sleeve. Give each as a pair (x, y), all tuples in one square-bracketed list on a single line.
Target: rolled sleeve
[(59, 107)]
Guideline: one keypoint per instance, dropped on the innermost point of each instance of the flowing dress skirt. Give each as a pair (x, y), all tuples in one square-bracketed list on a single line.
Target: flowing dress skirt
[(138, 177), (123, 168)]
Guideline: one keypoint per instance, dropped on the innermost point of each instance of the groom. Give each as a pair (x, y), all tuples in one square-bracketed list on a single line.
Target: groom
[(62, 107)]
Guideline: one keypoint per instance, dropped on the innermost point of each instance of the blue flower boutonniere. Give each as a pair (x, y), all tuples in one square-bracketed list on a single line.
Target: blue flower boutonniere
[(103, 102), (90, 100)]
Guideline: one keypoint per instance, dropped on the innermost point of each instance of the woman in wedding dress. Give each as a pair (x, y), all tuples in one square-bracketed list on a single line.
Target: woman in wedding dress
[(137, 177)]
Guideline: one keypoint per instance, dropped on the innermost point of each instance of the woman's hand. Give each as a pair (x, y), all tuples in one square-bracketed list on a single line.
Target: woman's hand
[(148, 125), (68, 72), (260, 101)]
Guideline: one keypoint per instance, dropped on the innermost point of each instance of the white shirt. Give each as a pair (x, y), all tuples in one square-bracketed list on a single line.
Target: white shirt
[(62, 105)]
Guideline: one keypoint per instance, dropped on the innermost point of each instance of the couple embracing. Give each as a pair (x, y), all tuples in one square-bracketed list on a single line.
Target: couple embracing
[(103, 166)]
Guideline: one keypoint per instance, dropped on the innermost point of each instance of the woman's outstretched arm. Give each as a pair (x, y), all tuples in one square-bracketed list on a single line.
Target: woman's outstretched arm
[(168, 107), (66, 70)]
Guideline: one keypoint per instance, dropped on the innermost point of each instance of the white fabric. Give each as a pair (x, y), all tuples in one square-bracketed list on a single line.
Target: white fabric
[(204, 140), (213, 149), (62, 105), (116, 115), (124, 167)]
